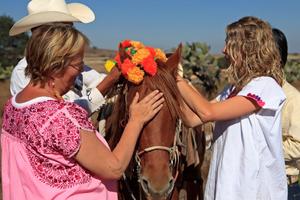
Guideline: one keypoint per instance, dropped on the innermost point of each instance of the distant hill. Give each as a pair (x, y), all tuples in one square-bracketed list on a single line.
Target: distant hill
[(96, 58), (100, 52)]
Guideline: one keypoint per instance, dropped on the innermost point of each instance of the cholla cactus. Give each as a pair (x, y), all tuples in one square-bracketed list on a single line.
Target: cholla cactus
[(292, 69), (200, 67)]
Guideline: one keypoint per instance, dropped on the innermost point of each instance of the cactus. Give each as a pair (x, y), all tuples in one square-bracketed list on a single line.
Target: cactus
[(5, 73), (200, 67), (292, 70)]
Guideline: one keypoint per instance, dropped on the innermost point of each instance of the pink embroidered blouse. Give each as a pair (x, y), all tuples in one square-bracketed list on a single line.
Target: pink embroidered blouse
[(39, 139)]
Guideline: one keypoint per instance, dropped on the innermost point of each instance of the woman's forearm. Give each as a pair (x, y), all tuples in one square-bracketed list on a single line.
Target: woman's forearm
[(124, 149)]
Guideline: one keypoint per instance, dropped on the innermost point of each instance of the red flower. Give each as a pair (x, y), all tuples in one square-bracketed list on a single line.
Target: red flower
[(118, 60), (126, 66), (151, 50), (126, 43), (149, 65)]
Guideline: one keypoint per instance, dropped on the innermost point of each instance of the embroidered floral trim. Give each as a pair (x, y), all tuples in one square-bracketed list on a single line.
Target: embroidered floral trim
[(57, 175), (259, 101), (46, 130)]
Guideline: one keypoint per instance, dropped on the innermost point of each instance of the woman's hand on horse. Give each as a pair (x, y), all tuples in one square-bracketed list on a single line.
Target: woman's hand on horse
[(144, 110)]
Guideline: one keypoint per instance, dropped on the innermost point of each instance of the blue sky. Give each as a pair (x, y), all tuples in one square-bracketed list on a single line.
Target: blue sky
[(166, 23)]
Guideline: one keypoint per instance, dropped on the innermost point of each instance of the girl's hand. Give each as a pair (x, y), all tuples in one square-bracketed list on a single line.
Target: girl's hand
[(144, 110)]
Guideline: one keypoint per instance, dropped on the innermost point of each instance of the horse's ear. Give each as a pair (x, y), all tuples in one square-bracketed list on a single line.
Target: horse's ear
[(122, 53), (174, 60)]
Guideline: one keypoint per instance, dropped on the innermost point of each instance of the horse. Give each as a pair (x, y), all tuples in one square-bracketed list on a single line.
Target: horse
[(155, 168)]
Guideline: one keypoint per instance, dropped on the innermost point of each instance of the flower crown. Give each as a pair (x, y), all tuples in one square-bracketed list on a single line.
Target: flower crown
[(141, 60)]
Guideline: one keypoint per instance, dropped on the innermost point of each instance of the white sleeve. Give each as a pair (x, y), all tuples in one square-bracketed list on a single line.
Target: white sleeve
[(18, 80), (91, 99), (91, 78), (265, 91)]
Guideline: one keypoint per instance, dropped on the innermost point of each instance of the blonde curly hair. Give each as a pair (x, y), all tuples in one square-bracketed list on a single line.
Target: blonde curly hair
[(252, 52)]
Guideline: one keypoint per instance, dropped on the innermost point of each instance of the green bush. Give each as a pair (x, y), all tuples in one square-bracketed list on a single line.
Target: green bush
[(201, 68), (292, 70), (11, 48), (5, 72)]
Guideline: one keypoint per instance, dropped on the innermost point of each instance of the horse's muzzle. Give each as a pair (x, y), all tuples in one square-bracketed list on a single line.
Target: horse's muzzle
[(157, 193)]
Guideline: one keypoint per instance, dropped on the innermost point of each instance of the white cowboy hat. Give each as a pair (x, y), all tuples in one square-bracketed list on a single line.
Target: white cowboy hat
[(45, 11)]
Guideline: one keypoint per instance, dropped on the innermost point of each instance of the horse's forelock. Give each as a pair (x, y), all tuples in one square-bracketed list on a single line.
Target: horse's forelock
[(165, 81)]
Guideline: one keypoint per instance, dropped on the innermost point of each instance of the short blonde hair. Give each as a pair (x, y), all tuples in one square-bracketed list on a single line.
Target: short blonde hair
[(50, 50), (252, 51)]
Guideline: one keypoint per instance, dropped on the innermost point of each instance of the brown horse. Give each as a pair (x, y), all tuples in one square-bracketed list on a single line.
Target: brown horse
[(156, 161)]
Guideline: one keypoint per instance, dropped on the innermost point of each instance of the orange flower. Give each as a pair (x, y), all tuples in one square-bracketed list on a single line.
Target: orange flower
[(149, 65), (140, 55), (126, 66), (136, 44), (160, 55), (135, 75)]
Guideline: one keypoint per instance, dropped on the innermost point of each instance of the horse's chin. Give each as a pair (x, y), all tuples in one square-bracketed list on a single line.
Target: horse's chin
[(156, 198)]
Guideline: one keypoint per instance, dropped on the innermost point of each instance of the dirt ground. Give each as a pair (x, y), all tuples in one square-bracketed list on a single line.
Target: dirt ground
[(4, 95)]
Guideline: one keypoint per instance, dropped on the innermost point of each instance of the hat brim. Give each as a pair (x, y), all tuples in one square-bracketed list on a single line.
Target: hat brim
[(78, 13)]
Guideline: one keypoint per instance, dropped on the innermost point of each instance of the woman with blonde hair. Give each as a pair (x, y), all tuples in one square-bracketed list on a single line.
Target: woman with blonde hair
[(50, 149), (247, 160)]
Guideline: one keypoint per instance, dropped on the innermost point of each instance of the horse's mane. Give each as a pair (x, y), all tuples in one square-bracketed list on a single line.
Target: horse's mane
[(164, 81)]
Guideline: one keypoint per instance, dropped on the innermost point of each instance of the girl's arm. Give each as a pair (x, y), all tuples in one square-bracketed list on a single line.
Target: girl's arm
[(211, 111), (189, 118)]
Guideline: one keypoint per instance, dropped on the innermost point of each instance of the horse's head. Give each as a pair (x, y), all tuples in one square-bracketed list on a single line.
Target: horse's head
[(156, 155)]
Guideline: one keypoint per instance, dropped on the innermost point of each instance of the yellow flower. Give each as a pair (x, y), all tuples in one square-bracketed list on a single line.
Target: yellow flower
[(136, 44), (160, 55), (140, 55), (135, 75), (109, 64)]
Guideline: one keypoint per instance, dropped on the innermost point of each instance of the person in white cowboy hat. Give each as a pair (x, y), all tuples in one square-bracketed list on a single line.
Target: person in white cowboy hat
[(90, 86)]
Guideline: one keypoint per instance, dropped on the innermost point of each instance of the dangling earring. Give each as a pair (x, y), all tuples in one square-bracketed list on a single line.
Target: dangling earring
[(55, 92)]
